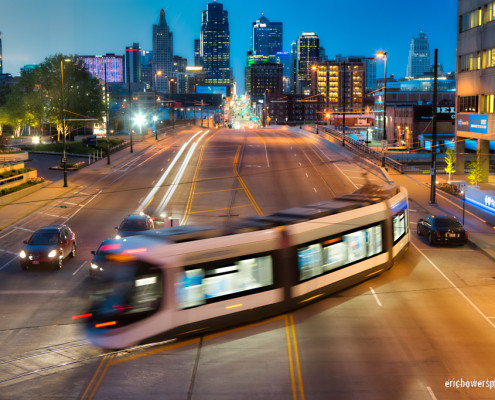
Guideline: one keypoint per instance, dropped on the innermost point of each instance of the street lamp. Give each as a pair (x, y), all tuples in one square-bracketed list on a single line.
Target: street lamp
[(156, 73), (139, 119), (172, 104), (383, 54), (64, 155)]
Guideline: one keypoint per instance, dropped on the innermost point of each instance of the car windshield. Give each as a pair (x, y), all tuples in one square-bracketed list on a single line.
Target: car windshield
[(447, 223), (44, 238), (133, 226)]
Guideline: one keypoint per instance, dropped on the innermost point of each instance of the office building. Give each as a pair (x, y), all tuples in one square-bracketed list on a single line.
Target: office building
[(162, 53), (110, 63), (267, 37), (419, 57), (266, 81), (215, 46), (283, 57), (293, 68), (308, 46), (197, 53), (475, 108), (180, 64), (369, 68), (133, 63)]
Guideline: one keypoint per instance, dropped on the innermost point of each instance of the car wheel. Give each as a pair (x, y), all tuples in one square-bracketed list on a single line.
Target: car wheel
[(430, 238), (73, 251), (419, 230), (25, 267)]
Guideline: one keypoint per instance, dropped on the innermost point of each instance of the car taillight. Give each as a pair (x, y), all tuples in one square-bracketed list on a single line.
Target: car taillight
[(465, 235), (438, 235)]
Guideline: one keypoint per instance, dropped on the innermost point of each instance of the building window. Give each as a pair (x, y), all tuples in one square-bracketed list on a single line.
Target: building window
[(470, 62), (489, 12), (467, 104), (489, 58), (488, 103), (470, 20)]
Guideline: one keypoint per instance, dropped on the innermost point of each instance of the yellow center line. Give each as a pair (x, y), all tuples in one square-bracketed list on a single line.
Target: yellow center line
[(97, 377), (246, 190), (291, 364), (296, 353), (217, 191)]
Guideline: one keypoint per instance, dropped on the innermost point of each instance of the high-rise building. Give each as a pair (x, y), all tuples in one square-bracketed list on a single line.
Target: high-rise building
[(419, 57), (475, 108), (253, 59), (369, 66), (133, 63), (197, 53), (180, 64), (1, 62), (110, 63), (341, 83), (266, 81), (283, 57), (293, 68), (162, 53), (146, 69), (215, 45), (267, 37), (308, 54)]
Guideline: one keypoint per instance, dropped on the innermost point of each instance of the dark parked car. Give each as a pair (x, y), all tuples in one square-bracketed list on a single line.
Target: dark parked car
[(134, 224), (442, 229), (48, 246)]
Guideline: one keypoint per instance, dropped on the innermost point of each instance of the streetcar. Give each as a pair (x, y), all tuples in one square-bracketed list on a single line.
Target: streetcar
[(189, 280)]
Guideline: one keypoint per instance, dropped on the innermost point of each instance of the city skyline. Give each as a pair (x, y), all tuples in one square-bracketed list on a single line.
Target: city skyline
[(120, 24)]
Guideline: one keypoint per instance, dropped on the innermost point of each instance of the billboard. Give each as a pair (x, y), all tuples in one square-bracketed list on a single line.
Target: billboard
[(212, 90), (474, 123)]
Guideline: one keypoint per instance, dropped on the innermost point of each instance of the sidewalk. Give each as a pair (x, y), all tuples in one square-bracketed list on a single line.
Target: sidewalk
[(23, 206)]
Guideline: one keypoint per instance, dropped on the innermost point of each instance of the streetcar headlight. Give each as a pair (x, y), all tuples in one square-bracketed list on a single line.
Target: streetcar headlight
[(22, 254), (52, 253)]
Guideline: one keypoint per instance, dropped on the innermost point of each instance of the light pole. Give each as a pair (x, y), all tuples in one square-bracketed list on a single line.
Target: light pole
[(384, 137), (129, 111), (172, 116), (156, 73), (64, 153)]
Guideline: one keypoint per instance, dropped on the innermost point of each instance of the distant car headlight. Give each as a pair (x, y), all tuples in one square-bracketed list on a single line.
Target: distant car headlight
[(118, 237), (22, 254), (94, 266), (52, 253)]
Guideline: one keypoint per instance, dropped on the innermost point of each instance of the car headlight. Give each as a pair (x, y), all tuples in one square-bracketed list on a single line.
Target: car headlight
[(117, 236), (52, 253), (94, 266), (22, 254)]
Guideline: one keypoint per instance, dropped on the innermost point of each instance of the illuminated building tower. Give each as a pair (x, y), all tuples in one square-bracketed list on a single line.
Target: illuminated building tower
[(293, 68), (215, 46), (475, 83), (266, 81), (341, 83), (267, 37), (197, 51), (96, 66), (419, 57), (308, 54), (162, 53), (133, 63), (1, 68), (283, 57)]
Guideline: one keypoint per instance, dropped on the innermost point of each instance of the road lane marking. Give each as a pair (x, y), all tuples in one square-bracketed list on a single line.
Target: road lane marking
[(241, 181), (315, 190), (375, 296), (7, 263), (77, 270), (295, 365), (307, 176), (219, 209), (455, 287), (102, 367), (432, 395)]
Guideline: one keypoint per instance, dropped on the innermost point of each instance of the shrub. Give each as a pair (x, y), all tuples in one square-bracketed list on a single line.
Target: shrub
[(24, 185)]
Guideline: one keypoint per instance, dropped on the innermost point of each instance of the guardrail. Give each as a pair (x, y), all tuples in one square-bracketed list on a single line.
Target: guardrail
[(361, 149)]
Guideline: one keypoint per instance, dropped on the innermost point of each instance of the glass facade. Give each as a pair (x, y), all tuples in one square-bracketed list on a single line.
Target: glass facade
[(308, 54), (467, 104), (470, 62), (488, 103), (267, 37), (419, 57), (162, 54), (470, 20)]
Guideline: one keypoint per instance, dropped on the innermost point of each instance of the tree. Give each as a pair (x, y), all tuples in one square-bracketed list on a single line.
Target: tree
[(476, 173), (450, 160)]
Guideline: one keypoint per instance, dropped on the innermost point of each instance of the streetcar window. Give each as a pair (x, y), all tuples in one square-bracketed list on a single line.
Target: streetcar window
[(400, 225), (198, 286), (335, 252)]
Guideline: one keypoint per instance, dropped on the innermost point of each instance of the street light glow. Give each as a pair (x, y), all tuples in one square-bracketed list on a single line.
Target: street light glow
[(139, 119)]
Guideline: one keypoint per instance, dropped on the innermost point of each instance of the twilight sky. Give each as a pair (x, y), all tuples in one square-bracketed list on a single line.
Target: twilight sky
[(35, 29)]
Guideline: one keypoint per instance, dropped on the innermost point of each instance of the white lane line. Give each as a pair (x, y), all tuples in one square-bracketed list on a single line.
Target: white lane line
[(52, 215), (77, 270), (316, 191), (432, 395), (266, 153), (7, 263), (375, 296), (454, 286), (84, 205), (24, 229), (71, 204), (336, 166), (300, 164), (162, 169), (307, 176)]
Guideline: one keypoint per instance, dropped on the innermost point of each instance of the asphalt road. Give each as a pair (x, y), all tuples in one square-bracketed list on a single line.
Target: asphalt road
[(402, 335)]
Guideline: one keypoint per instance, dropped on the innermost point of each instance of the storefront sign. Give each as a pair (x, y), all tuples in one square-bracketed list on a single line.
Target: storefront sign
[(474, 123)]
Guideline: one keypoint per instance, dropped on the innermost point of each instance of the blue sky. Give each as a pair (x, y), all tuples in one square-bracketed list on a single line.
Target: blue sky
[(34, 29)]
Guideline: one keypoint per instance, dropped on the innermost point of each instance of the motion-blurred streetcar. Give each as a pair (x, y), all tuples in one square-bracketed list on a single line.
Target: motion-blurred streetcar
[(194, 279)]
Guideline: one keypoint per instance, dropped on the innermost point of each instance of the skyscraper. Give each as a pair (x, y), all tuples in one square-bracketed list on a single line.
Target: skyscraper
[(308, 54), (215, 45), (162, 53), (293, 68), (419, 56), (197, 53), (267, 37), (133, 63)]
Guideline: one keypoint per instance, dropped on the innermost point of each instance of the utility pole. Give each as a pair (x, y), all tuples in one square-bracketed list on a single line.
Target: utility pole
[(434, 133), (106, 111), (343, 112)]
